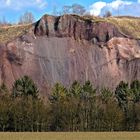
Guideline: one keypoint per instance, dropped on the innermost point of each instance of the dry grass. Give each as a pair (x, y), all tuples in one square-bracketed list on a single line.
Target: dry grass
[(8, 33), (71, 136), (127, 25)]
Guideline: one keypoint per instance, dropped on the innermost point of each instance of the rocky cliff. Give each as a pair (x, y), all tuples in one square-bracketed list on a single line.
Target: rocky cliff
[(67, 48)]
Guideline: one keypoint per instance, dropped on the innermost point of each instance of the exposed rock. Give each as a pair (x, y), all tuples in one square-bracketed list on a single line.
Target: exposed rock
[(73, 26), (67, 48)]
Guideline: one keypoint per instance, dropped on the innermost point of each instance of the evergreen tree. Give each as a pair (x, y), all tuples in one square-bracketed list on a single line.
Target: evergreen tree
[(106, 95), (134, 97), (25, 87), (121, 93), (75, 89), (58, 92)]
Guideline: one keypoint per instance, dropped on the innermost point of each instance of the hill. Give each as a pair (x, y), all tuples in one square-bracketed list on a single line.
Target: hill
[(70, 47)]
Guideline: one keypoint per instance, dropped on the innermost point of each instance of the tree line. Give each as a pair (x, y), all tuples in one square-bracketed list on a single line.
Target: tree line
[(28, 17), (78, 108), (25, 18), (76, 9)]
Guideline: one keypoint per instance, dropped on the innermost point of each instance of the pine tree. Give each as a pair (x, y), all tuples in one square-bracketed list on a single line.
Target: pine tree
[(25, 87)]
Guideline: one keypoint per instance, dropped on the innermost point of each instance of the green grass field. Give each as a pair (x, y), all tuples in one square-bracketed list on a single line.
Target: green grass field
[(71, 136)]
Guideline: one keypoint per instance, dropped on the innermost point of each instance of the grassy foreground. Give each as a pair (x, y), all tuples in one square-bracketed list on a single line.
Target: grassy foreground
[(71, 136)]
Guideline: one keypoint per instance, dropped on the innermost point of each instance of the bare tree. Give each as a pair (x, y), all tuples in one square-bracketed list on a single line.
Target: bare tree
[(78, 9), (107, 14), (74, 9), (66, 9), (56, 12), (26, 18), (4, 22)]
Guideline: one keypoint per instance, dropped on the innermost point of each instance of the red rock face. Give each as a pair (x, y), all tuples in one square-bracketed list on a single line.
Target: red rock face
[(65, 49), (73, 26)]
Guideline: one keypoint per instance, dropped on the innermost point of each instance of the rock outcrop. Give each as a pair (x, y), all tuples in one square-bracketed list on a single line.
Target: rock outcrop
[(67, 48), (74, 26)]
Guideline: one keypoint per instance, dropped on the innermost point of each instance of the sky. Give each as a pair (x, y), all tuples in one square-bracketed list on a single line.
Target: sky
[(12, 9)]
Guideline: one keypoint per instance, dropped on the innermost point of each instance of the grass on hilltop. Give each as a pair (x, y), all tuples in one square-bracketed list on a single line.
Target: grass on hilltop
[(127, 25), (9, 33)]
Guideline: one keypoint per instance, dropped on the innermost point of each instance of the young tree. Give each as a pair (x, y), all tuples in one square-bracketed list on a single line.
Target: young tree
[(58, 92), (74, 9), (26, 18), (107, 14), (25, 87), (135, 91), (128, 97), (66, 9), (121, 94), (134, 97), (75, 89), (113, 116), (4, 89), (78, 9), (57, 99), (106, 95), (4, 22), (5, 108), (86, 104)]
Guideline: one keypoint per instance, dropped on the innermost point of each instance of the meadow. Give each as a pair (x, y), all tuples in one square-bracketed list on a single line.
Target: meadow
[(71, 136)]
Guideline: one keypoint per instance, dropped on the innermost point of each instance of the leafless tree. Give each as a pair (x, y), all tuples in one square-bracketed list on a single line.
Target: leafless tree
[(74, 9), (107, 14), (26, 18), (78, 9), (4, 22), (66, 9)]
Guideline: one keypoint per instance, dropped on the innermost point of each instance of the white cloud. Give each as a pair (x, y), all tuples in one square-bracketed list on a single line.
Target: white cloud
[(117, 3), (8, 2), (38, 1), (138, 1), (41, 3), (96, 8), (21, 4)]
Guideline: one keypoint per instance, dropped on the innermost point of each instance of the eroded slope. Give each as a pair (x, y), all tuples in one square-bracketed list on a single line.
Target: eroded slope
[(67, 48)]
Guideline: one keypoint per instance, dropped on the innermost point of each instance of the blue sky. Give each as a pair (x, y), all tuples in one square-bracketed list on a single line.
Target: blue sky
[(12, 9)]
